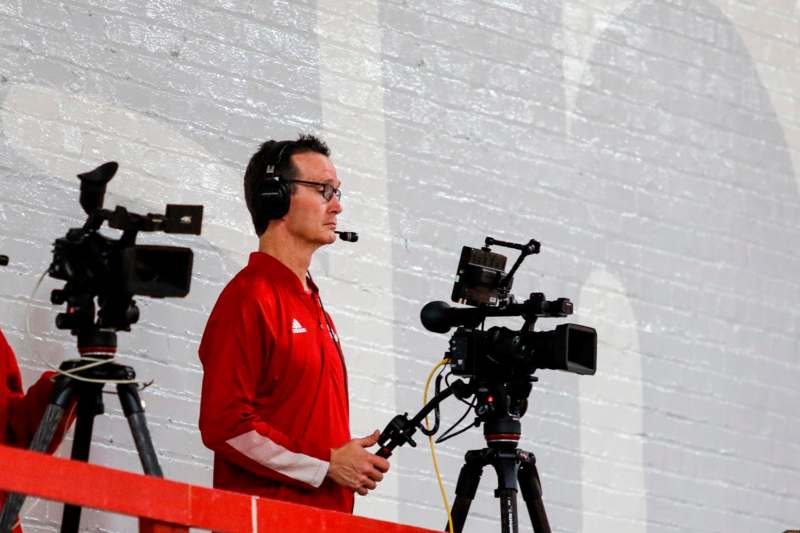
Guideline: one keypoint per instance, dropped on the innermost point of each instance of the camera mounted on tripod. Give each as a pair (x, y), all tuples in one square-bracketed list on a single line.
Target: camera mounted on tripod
[(114, 270), (499, 364), (111, 272)]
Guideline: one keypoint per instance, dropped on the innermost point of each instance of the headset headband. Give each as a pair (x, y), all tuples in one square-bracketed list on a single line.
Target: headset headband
[(272, 169)]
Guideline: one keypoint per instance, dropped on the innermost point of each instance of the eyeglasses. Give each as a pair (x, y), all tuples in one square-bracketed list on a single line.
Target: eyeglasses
[(325, 189)]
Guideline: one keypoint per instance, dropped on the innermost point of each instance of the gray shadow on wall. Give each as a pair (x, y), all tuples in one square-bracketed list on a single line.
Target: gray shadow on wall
[(686, 176), (474, 111)]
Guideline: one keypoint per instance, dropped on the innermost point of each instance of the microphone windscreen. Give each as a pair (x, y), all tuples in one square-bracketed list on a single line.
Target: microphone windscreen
[(349, 236), (434, 317)]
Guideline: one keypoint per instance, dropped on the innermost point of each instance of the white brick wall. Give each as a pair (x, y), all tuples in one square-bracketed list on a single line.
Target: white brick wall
[(651, 147)]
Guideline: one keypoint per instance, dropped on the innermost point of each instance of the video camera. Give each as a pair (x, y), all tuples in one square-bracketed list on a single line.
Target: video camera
[(109, 271), (499, 364), (499, 353), (114, 270)]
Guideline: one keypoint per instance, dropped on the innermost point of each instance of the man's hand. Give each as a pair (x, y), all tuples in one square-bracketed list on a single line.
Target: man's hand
[(355, 468)]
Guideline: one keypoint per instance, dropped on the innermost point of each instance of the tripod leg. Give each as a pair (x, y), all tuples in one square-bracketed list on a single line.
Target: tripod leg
[(505, 464), (134, 412), (531, 489), (90, 404), (59, 403), (466, 488), (508, 510)]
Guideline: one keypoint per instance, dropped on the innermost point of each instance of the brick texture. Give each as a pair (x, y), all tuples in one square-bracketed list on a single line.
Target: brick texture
[(651, 146)]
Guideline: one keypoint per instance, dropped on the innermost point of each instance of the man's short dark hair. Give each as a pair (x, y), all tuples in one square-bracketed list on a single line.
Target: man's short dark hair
[(279, 154)]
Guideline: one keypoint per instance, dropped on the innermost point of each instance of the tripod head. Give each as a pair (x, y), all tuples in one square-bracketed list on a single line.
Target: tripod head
[(97, 343)]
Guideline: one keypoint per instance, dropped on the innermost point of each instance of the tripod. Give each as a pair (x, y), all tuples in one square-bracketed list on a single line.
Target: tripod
[(98, 344), (502, 432), (511, 465)]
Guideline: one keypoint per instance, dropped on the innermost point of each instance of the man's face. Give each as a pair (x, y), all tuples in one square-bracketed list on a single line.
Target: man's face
[(311, 218)]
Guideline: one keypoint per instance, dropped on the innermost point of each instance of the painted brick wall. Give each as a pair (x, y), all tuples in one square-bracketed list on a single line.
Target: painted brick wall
[(650, 145)]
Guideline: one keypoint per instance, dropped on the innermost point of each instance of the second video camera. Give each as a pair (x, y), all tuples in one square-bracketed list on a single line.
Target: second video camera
[(114, 270)]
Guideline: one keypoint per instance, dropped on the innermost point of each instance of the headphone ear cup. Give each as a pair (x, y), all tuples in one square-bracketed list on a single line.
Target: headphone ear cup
[(272, 199)]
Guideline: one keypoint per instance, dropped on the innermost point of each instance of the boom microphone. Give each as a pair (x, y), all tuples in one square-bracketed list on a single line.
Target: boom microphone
[(349, 236)]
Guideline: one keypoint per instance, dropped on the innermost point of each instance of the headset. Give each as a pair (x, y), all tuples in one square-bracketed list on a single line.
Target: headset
[(273, 195)]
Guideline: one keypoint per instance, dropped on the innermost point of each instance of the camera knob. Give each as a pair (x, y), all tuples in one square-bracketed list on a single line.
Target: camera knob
[(65, 321), (486, 408), (58, 297), (132, 313)]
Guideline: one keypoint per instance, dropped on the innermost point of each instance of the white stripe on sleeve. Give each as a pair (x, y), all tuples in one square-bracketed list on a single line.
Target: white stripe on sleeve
[(267, 452)]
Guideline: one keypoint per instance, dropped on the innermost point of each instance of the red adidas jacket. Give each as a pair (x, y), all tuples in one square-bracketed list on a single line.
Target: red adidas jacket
[(20, 413), (274, 400)]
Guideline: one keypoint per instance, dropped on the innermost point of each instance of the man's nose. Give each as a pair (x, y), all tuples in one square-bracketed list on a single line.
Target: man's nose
[(335, 205)]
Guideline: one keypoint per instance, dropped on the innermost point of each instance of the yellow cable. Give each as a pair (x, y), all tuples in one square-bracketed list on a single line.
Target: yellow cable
[(430, 443)]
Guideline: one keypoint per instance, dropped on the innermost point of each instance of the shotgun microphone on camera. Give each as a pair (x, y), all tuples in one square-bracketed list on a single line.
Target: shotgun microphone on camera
[(349, 236)]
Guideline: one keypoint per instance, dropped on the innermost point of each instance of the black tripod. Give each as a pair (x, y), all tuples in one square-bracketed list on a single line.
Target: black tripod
[(100, 345), (511, 464), (502, 431)]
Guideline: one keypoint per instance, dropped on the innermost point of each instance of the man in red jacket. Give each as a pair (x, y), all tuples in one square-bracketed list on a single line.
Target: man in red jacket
[(20, 413), (274, 406)]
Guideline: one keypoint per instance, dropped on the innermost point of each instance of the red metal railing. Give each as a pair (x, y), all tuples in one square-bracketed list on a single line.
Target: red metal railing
[(165, 506)]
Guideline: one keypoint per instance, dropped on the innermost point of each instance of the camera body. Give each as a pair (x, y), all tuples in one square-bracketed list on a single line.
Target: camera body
[(501, 354)]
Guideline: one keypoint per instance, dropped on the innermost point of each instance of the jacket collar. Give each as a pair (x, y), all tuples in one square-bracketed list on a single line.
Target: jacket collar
[(278, 273)]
